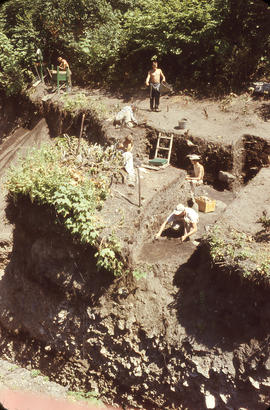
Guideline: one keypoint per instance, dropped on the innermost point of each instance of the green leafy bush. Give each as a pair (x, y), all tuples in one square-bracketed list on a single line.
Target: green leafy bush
[(238, 251), (75, 187), (80, 101)]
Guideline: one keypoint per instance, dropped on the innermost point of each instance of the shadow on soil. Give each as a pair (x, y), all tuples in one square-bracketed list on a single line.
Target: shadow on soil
[(217, 309), (45, 253), (264, 111)]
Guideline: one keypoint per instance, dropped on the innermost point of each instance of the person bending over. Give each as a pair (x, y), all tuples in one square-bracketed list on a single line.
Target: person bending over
[(126, 116), (63, 64), (181, 217)]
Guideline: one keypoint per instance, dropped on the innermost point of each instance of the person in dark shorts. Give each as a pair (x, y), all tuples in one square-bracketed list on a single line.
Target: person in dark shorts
[(154, 78)]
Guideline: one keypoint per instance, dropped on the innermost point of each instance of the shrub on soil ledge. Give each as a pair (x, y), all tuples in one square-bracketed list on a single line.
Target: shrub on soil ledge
[(240, 252), (75, 185), (80, 101)]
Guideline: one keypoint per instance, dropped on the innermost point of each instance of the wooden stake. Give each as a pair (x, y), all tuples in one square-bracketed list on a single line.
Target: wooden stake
[(139, 186), (37, 72), (50, 74), (80, 136)]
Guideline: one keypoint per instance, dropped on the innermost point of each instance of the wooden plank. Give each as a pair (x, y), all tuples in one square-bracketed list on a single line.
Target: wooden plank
[(49, 71), (170, 149), (157, 147)]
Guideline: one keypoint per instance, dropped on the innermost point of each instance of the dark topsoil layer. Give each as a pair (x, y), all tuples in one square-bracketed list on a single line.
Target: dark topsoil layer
[(181, 337)]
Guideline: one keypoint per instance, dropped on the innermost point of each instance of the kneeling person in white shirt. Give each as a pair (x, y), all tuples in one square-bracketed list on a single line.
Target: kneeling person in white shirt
[(126, 116), (182, 215)]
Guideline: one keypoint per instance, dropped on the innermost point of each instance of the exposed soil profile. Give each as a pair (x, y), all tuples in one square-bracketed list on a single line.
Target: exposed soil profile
[(184, 336)]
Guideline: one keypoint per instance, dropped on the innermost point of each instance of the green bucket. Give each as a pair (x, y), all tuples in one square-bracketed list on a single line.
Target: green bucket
[(158, 162)]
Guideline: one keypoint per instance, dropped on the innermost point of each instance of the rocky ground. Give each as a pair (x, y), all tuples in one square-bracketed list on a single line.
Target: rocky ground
[(183, 336)]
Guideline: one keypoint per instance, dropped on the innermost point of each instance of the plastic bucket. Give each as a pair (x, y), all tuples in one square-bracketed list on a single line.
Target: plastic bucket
[(182, 123)]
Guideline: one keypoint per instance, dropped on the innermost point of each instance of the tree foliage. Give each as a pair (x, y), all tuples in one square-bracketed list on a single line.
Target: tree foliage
[(219, 44)]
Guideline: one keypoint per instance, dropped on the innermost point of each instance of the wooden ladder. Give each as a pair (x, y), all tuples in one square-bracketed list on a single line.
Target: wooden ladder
[(168, 149)]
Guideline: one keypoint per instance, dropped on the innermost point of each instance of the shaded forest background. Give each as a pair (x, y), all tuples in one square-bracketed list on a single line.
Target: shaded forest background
[(210, 46)]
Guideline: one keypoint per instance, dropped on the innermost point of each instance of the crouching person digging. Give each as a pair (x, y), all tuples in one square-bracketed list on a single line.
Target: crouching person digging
[(182, 218)]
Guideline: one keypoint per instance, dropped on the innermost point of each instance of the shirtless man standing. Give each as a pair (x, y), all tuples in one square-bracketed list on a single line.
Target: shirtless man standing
[(154, 78)]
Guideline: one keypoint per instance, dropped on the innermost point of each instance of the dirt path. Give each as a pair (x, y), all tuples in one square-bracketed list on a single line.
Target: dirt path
[(13, 377)]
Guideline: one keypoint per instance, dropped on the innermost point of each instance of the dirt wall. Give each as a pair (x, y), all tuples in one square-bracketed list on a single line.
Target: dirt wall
[(175, 339), (62, 122), (215, 157), (256, 155)]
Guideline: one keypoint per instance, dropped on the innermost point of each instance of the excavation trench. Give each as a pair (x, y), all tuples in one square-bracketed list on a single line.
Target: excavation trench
[(243, 158), (164, 341)]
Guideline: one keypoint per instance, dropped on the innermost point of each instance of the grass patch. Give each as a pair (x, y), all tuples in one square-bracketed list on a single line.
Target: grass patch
[(89, 397), (35, 373), (141, 271), (80, 101)]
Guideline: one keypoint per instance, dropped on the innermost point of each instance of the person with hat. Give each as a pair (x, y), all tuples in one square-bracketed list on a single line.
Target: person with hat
[(184, 217), (198, 171)]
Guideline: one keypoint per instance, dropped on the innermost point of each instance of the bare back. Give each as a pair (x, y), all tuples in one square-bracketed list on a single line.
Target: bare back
[(198, 170)]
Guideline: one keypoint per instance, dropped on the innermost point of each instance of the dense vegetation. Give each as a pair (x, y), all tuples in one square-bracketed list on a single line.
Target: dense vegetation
[(208, 45), (74, 185), (242, 253)]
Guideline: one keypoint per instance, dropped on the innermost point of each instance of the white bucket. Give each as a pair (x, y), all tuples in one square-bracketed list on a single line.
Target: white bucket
[(182, 123)]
